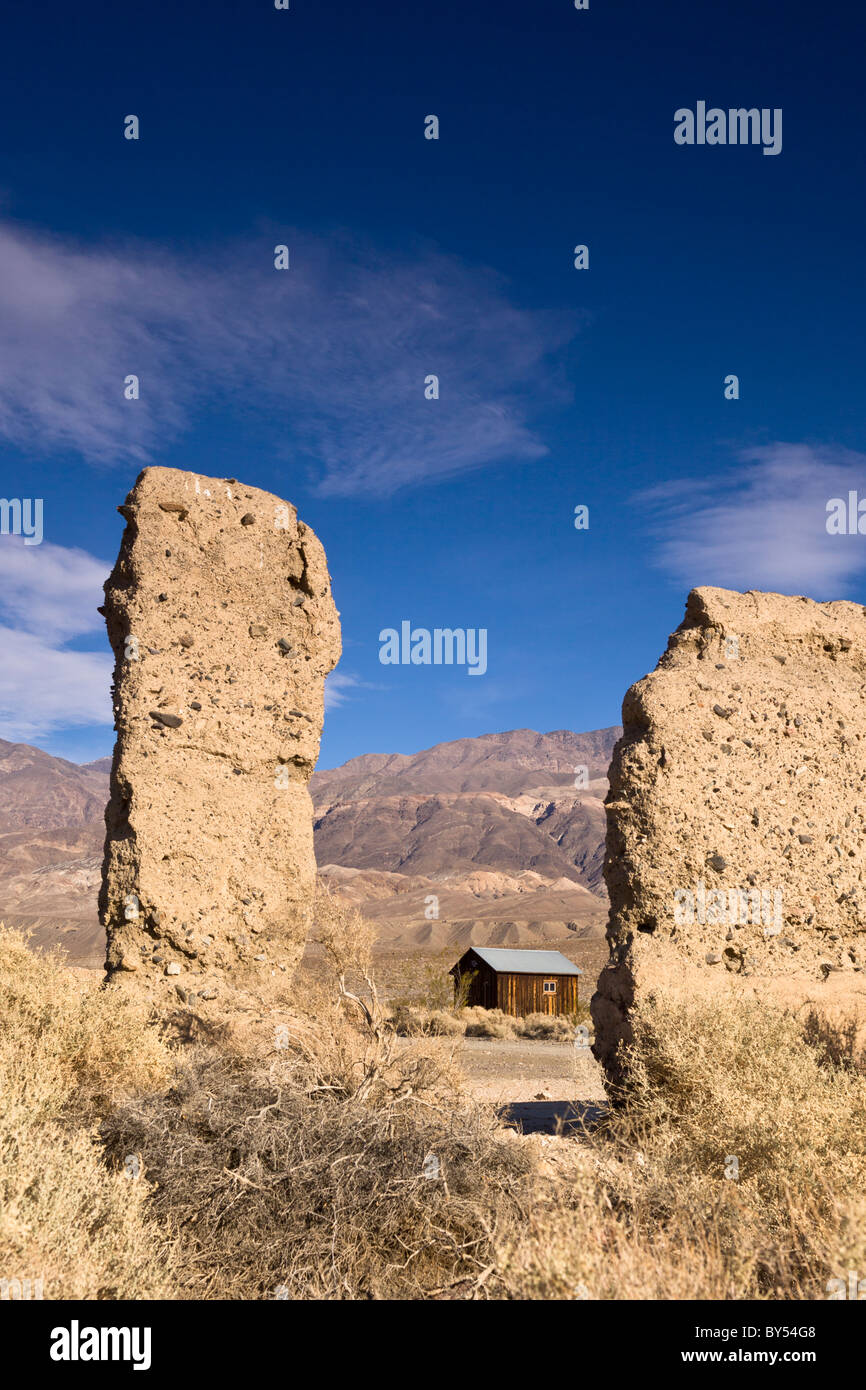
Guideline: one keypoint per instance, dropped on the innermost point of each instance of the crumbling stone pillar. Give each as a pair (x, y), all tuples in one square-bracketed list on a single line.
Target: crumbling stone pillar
[(220, 615), (737, 806)]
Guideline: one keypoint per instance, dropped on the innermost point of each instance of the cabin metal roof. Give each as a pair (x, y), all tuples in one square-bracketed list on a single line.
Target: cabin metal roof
[(526, 962)]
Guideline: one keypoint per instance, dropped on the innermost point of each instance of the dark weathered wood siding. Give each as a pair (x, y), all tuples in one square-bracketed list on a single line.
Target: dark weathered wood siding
[(524, 994), (483, 987), (516, 994)]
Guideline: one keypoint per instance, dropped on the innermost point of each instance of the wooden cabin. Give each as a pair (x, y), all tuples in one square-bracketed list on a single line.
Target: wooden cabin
[(518, 982)]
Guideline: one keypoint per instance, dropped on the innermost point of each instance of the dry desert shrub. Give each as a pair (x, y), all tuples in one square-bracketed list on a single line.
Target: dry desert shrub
[(654, 1208), (291, 1186), (347, 1163), (413, 1021), (289, 1189), (409, 1021), (489, 1023), (738, 1077), (741, 1117), (548, 1027), (68, 1051), (344, 1165)]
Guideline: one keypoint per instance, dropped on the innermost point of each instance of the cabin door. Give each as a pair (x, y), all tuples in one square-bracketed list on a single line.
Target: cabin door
[(548, 996)]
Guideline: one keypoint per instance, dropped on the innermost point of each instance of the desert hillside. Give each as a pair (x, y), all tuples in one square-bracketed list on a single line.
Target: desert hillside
[(508, 764), (51, 835), (492, 827)]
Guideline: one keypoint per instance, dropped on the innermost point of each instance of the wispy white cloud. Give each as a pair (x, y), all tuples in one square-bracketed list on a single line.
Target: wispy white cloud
[(49, 595), (336, 685), (335, 350), (49, 590), (339, 684), (762, 525), (43, 688)]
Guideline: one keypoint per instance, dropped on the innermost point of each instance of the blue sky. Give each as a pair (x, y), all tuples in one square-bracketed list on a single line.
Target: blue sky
[(409, 256)]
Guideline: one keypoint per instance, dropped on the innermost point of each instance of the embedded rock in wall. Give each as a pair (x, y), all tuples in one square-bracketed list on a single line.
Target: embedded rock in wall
[(736, 839), (220, 615)]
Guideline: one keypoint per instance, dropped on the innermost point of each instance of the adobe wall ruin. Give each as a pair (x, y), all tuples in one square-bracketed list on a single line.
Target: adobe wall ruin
[(736, 839), (220, 615)]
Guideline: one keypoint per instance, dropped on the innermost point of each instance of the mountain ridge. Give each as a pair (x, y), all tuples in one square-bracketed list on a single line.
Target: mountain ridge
[(493, 828)]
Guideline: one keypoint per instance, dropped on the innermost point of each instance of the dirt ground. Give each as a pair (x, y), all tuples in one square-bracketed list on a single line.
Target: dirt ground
[(540, 1087)]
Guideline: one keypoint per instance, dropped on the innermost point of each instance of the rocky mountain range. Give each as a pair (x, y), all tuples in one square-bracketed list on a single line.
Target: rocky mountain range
[(51, 835), (480, 840)]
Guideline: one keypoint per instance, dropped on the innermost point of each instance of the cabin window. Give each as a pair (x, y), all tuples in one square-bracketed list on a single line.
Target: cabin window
[(549, 986)]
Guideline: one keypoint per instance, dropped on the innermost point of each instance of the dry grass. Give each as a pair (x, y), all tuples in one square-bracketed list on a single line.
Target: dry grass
[(285, 1185), (649, 1212), (346, 1164), (67, 1053), (413, 1021)]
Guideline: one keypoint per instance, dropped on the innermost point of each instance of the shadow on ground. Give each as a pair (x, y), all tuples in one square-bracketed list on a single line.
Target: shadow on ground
[(553, 1116)]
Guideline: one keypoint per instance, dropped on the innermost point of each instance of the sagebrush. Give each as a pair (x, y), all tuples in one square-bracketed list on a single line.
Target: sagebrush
[(349, 1163)]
